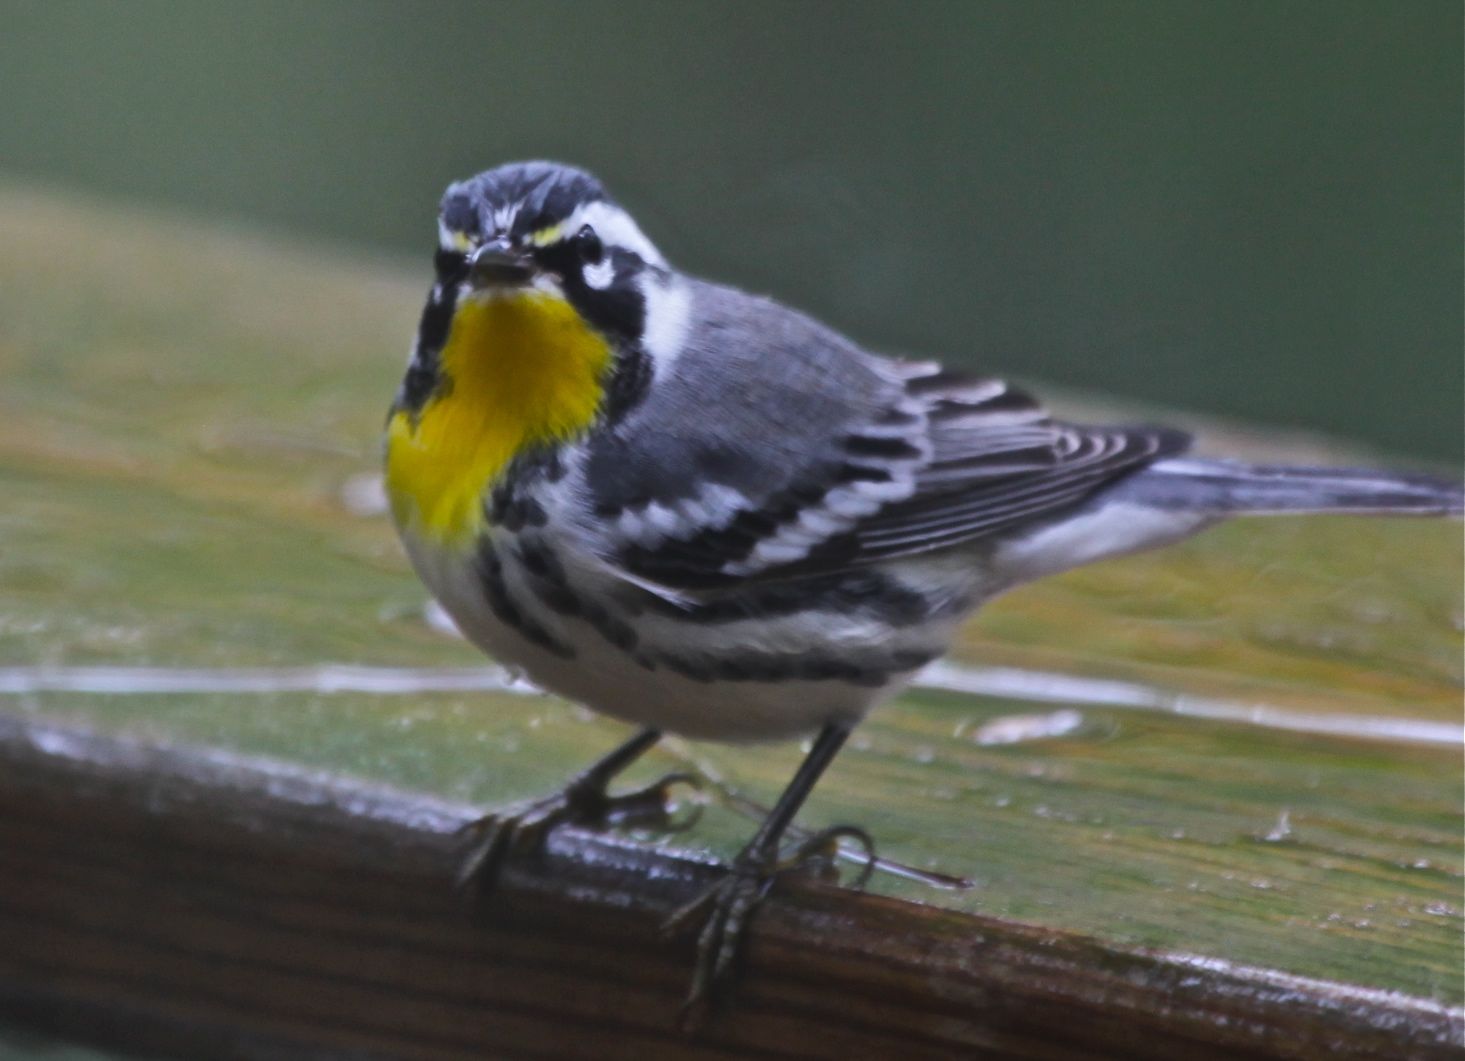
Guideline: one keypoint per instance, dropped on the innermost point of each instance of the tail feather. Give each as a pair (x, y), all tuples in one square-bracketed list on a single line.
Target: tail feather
[(1229, 488)]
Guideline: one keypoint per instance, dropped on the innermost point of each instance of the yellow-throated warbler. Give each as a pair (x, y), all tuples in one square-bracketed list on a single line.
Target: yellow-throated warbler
[(705, 513)]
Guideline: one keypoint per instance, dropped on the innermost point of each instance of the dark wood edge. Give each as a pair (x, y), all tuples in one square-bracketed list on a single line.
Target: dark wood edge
[(196, 904)]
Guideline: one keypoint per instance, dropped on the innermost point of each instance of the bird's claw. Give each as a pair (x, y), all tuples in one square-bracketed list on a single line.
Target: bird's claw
[(526, 826), (728, 906), (494, 835), (653, 807), (817, 855)]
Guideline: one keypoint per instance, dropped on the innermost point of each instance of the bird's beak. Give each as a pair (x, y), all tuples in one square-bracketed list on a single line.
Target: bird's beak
[(498, 264)]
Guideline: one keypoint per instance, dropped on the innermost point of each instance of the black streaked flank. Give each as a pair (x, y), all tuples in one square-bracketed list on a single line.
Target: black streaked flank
[(511, 507), (506, 610), (871, 671), (540, 560), (552, 587), (615, 630)]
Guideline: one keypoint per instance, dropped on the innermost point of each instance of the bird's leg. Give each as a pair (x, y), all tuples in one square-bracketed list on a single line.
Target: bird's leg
[(728, 904), (583, 801)]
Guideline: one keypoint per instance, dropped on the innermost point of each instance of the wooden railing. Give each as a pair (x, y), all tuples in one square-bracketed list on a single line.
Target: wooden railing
[(201, 906)]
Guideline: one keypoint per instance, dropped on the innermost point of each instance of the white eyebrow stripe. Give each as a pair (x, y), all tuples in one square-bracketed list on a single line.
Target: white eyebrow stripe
[(615, 228)]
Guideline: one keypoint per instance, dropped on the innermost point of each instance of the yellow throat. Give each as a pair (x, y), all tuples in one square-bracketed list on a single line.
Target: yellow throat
[(518, 369)]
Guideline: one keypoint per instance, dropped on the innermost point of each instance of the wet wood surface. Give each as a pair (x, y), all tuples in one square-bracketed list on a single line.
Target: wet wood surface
[(204, 906), (1238, 758)]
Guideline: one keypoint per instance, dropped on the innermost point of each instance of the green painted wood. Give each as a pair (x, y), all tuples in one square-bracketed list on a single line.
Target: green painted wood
[(188, 426)]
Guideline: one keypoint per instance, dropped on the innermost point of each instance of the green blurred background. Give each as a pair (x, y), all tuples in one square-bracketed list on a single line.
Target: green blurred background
[(1245, 208)]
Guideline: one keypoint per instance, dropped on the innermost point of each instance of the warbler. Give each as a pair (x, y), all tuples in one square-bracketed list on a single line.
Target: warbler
[(705, 513)]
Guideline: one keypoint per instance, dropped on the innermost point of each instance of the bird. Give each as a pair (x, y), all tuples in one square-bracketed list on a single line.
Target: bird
[(702, 512)]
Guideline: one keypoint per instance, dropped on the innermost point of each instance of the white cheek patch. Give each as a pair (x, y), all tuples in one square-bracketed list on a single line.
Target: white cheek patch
[(600, 274)]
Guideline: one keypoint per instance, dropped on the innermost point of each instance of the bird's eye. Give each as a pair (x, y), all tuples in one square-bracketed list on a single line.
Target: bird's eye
[(450, 265), (588, 246)]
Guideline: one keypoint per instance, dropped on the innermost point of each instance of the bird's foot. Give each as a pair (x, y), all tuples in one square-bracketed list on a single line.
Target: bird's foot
[(725, 909), (525, 827)]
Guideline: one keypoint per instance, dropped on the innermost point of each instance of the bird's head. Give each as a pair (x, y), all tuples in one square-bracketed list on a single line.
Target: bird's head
[(552, 229), (550, 312)]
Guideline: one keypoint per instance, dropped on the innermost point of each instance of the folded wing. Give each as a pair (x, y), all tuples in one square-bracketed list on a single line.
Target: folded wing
[(775, 449)]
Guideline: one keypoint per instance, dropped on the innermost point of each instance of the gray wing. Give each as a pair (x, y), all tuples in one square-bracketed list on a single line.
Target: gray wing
[(774, 448)]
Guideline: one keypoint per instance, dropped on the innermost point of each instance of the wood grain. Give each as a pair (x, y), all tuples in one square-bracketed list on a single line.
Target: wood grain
[(200, 905)]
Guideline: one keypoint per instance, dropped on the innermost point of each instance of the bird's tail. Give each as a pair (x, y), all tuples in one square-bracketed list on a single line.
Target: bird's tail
[(1226, 488)]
